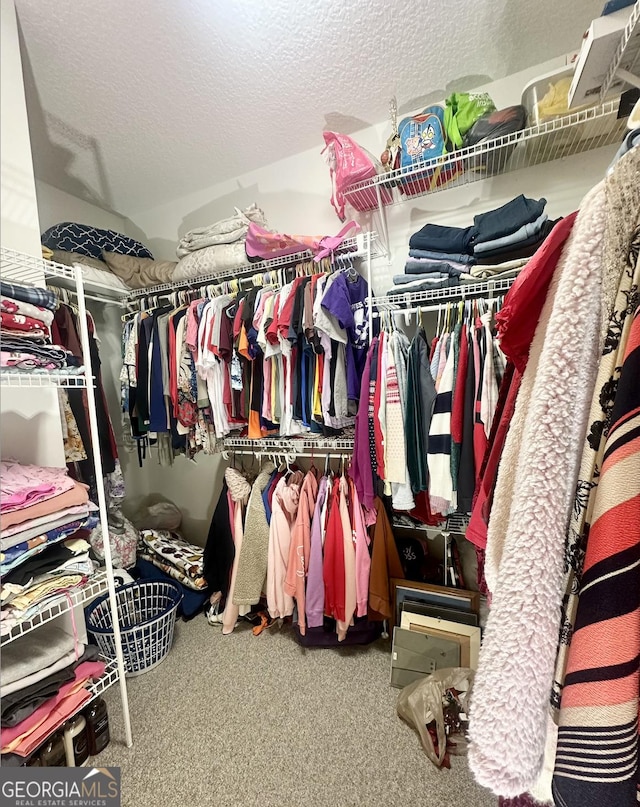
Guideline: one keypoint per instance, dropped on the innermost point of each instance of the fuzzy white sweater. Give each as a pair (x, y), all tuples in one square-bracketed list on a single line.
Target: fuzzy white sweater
[(526, 538)]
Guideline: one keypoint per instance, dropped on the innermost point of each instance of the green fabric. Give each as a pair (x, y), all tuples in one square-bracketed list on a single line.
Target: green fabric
[(462, 110)]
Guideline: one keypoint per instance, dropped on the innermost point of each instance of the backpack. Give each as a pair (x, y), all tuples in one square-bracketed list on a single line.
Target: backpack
[(350, 163), (423, 140)]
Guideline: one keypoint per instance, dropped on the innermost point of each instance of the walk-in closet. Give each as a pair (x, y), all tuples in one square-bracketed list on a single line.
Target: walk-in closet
[(320, 403)]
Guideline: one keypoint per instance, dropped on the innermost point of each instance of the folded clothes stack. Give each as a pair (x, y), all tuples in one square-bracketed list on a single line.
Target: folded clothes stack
[(438, 257), (26, 314), (513, 231), (45, 675), (496, 245), (45, 517), (174, 556)]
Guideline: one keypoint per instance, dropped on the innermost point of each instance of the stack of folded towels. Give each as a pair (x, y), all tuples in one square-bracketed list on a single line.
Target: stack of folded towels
[(44, 679), (26, 314), (498, 243), (217, 247), (45, 518)]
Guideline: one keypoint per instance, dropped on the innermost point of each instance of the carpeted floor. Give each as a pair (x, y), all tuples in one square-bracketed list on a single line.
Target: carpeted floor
[(240, 721)]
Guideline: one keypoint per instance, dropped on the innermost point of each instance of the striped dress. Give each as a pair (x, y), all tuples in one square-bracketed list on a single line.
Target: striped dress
[(597, 753)]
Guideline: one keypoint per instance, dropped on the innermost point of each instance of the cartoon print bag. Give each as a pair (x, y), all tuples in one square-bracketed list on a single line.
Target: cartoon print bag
[(462, 111), (423, 141)]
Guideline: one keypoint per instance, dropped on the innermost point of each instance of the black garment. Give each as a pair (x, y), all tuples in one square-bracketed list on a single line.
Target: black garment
[(436, 238), (46, 561), (421, 398), (219, 551), (508, 218), (467, 470)]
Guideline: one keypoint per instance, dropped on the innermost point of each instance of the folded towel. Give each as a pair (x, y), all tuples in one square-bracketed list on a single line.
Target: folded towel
[(451, 257), (513, 239), (508, 218), (444, 239), (402, 280)]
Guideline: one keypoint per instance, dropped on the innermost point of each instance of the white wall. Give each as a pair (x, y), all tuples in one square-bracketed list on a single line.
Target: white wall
[(294, 193), (30, 423), (55, 206), (18, 208)]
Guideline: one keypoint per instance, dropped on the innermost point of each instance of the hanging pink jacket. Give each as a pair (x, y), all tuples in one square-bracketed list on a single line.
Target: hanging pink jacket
[(314, 602), (350, 596), (363, 558), (283, 516), (300, 547)]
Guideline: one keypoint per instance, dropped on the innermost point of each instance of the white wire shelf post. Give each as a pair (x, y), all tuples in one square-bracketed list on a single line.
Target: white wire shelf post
[(102, 504)]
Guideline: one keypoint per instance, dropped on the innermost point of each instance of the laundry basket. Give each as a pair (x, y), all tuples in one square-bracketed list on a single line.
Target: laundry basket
[(147, 616)]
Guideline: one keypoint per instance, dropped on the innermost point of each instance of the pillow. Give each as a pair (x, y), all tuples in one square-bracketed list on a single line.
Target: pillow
[(69, 258), (87, 240), (209, 260), (138, 273)]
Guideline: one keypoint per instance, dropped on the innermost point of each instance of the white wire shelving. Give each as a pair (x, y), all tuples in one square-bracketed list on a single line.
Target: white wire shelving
[(289, 446), (30, 270), (357, 247), (40, 378), (58, 605), (553, 140), (456, 523), (403, 302), (625, 65)]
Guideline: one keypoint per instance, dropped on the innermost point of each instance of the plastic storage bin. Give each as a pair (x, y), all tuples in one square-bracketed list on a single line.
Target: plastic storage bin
[(147, 616)]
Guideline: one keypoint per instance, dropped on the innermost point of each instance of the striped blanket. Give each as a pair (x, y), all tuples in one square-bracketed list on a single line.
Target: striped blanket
[(597, 754)]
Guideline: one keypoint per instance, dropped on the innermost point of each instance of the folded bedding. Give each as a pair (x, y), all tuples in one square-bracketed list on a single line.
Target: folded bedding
[(173, 555), (209, 260), (42, 353), (424, 266), (35, 312), (423, 285), (19, 705), (19, 360), (66, 660), (482, 271), (72, 237), (225, 231), (139, 273), (29, 294), (102, 276)]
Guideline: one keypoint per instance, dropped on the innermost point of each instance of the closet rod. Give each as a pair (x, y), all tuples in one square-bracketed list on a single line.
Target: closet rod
[(281, 453)]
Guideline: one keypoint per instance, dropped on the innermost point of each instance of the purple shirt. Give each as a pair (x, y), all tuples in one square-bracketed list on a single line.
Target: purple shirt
[(347, 300)]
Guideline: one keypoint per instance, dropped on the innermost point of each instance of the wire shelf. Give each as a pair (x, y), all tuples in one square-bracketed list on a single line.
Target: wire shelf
[(556, 139), (456, 524), (54, 608), (46, 378), (464, 291), (289, 445), (30, 269), (627, 55), (352, 247)]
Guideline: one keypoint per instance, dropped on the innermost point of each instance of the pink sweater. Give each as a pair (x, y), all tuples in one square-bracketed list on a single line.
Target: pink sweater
[(300, 547)]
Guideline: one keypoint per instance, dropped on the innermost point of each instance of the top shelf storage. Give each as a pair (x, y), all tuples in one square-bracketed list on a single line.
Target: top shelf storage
[(360, 246), (562, 137)]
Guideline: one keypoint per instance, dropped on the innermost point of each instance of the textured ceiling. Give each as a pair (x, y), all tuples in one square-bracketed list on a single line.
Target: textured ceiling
[(133, 103)]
